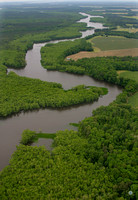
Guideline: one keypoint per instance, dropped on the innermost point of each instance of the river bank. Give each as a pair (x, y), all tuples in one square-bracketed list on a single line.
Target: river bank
[(49, 120)]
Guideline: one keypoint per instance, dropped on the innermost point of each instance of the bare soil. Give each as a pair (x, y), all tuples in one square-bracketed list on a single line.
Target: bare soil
[(120, 53)]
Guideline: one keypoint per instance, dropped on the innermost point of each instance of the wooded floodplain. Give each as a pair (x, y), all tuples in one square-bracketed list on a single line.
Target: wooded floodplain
[(22, 94), (98, 161)]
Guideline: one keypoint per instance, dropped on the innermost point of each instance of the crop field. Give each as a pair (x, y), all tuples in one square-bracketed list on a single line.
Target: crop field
[(113, 43), (132, 17), (119, 13), (120, 53)]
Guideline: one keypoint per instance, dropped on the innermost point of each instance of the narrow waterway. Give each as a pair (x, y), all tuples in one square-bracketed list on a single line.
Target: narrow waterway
[(49, 120)]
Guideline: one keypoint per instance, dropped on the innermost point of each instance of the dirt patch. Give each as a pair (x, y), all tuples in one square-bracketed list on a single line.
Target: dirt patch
[(121, 71), (120, 53)]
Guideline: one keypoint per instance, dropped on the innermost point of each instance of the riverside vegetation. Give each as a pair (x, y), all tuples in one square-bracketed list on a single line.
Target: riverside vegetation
[(21, 93), (96, 162), (28, 136)]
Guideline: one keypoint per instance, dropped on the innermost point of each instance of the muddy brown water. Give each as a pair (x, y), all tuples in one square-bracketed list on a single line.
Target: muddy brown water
[(49, 120)]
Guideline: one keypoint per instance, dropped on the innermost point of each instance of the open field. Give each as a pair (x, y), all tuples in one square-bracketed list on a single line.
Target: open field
[(133, 100), (129, 74), (120, 53), (132, 17), (121, 71), (130, 30), (119, 13), (113, 42)]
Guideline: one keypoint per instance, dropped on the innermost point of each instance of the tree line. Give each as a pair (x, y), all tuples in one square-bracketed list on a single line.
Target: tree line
[(22, 94), (96, 162)]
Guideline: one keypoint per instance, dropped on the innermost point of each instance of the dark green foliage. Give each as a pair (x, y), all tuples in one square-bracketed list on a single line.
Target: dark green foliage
[(11, 58), (15, 57), (99, 20), (3, 70), (130, 86), (20, 27), (97, 162), (54, 54), (75, 48), (111, 133), (104, 68), (20, 20), (45, 135), (99, 68), (22, 94), (53, 58), (27, 137)]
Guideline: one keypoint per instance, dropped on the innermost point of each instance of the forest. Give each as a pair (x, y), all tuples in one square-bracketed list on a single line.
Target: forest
[(22, 94), (113, 20), (96, 162), (53, 58), (14, 55)]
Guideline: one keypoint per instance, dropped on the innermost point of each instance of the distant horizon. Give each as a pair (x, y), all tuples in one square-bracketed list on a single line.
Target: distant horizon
[(48, 1)]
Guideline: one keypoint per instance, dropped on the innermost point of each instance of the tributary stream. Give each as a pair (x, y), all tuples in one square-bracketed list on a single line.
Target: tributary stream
[(50, 120)]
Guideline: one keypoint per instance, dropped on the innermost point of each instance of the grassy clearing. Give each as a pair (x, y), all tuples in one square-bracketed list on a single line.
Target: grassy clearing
[(74, 124), (45, 135), (95, 49), (121, 71), (131, 17), (114, 42), (28, 136), (130, 29), (133, 100), (130, 75)]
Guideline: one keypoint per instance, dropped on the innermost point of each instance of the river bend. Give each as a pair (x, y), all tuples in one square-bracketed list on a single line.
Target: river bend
[(49, 120)]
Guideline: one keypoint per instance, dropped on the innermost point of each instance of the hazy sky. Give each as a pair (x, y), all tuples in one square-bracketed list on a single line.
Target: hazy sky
[(65, 0)]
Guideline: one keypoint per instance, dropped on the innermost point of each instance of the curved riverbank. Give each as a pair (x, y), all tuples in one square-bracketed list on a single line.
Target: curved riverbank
[(49, 120)]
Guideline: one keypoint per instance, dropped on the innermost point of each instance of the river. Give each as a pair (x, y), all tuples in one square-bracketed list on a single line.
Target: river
[(49, 120)]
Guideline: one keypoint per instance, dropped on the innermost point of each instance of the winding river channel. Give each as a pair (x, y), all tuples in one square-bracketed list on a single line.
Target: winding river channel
[(50, 120)]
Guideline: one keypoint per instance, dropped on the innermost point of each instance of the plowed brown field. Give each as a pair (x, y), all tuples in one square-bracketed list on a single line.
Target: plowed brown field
[(120, 53)]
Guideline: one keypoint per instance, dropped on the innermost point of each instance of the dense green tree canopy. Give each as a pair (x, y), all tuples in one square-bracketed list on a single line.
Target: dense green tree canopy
[(97, 162)]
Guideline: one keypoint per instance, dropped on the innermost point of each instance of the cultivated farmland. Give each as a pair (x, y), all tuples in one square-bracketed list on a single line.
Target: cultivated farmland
[(113, 43), (120, 53)]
